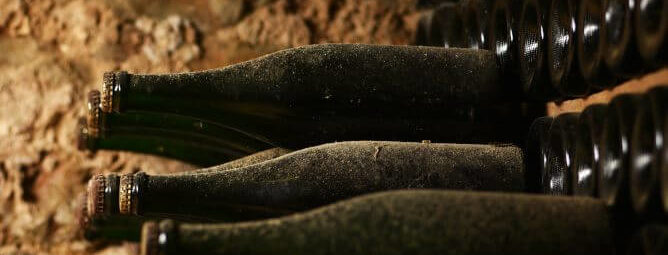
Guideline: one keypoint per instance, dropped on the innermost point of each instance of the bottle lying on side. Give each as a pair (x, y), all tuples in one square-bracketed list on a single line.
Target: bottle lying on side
[(317, 176), (405, 222), (335, 92)]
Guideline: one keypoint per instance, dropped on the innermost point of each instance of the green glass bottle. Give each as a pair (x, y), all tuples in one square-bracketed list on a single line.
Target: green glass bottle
[(405, 222)]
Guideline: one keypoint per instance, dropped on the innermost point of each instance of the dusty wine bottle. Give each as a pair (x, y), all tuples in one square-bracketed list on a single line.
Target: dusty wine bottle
[(296, 102), (536, 153), (615, 149), (651, 27), (647, 142), (320, 175), (107, 227), (448, 28), (405, 222), (587, 150), (531, 45), (621, 53), (562, 52), (590, 49)]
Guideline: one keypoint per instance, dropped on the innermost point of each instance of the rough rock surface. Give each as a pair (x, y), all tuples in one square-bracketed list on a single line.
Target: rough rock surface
[(54, 52)]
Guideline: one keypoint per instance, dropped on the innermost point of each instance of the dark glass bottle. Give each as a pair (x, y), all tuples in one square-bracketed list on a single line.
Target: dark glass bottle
[(621, 53), (448, 28), (647, 142), (531, 50), (502, 40), (475, 18), (562, 51), (590, 49), (107, 227), (405, 222), (651, 27), (651, 239), (560, 155), (615, 150), (587, 150), (536, 153), (320, 175)]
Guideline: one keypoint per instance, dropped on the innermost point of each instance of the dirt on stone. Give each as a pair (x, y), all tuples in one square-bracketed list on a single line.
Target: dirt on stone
[(54, 52)]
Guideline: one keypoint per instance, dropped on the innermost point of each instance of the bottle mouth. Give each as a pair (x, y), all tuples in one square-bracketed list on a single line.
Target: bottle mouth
[(560, 155), (537, 147), (590, 46), (646, 144), (561, 43), (651, 27), (587, 148), (501, 33), (618, 31), (471, 19), (530, 45)]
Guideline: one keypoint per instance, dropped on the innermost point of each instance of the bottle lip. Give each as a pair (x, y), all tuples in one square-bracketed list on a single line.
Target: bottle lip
[(113, 85), (96, 194), (129, 193), (93, 116)]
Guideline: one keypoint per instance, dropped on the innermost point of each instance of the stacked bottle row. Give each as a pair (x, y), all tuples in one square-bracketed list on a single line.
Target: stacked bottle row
[(614, 152), (556, 49), (315, 200), (303, 97)]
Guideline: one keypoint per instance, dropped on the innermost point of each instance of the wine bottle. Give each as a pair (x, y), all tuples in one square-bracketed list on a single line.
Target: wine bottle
[(448, 28), (646, 145), (615, 150), (475, 18), (561, 151), (590, 49), (651, 239), (320, 175), (502, 37), (107, 227), (651, 27), (562, 51), (587, 150), (621, 53), (405, 222), (531, 45), (536, 153), (295, 102)]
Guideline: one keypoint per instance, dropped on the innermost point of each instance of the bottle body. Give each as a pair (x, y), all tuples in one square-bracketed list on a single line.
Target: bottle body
[(537, 153), (406, 222), (590, 48), (651, 31), (621, 52)]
